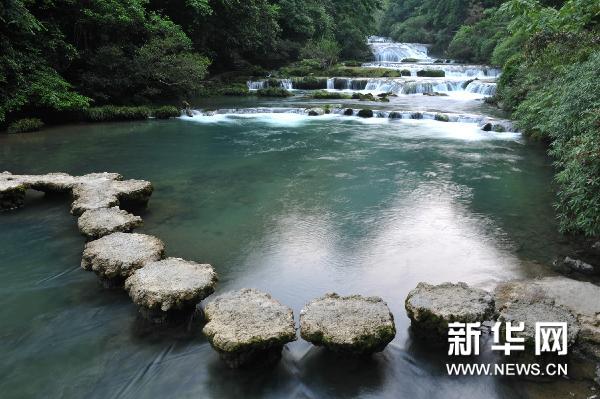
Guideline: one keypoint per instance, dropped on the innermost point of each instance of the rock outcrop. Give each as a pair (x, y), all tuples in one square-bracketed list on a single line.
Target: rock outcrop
[(170, 285), (96, 223), (248, 327), (431, 307), (556, 299), (116, 256), (353, 324)]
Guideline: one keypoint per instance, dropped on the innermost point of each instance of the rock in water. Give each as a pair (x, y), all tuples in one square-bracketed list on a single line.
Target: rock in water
[(558, 294), (248, 326), (12, 193), (170, 285), (96, 223), (431, 307), (353, 324), (116, 256)]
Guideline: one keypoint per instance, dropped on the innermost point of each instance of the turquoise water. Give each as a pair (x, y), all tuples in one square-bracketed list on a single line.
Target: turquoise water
[(292, 205)]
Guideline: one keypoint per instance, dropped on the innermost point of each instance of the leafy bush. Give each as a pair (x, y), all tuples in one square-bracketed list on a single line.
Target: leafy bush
[(442, 118), (327, 95), (430, 73), (114, 113), (405, 72), (239, 89), (25, 125), (352, 63), (166, 112), (273, 92)]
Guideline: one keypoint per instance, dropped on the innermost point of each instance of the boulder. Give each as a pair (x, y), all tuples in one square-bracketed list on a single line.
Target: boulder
[(96, 223), (248, 327), (431, 307), (12, 192), (365, 113), (316, 112), (116, 256), (348, 112), (352, 324), (170, 285), (581, 299), (568, 264)]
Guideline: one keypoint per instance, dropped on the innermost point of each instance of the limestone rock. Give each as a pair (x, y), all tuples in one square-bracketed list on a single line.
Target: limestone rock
[(248, 326), (12, 192), (118, 255), (431, 307), (96, 223), (354, 324), (582, 299), (170, 284)]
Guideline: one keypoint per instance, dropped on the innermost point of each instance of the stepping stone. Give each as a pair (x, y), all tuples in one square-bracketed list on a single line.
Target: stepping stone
[(431, 307), (92, 191), (116, 256), (98, 190), (12, 192), (352, 324), (170, 286), (248, 327), (100, 222)]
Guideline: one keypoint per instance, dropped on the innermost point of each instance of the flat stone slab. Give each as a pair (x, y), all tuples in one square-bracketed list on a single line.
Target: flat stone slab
[(91, 191), (581, 299), (248, 326), (96, 223), (431, 307), (12, 193), (171, 284), (118, 255), (353, 324)]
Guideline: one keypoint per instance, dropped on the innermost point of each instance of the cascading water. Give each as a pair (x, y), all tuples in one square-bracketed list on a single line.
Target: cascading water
[(385, 50), (483, 88), (263, 84)]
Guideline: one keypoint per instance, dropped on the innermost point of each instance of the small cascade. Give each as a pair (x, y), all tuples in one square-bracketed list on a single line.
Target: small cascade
[(331, 84), (287, 84), (256, 85), (263, 84), (385, 50), (483, 88), (450, 70), (350, 84)]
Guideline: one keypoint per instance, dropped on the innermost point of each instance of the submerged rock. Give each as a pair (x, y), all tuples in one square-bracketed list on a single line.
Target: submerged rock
[(248, 326), (97, 223), (557, 294), (431, 307), (354, 324), (116, 256), (170, 285), (316, 112), (568, 264)]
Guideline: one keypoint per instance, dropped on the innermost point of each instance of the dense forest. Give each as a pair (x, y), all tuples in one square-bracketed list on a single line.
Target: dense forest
[(63, 56)]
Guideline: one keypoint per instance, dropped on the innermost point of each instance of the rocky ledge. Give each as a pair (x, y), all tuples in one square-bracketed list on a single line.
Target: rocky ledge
[(96, 223), (555, 299), (169, 286), (353, 324), (431, 307), (92, 191), (116, 256), (248, 327)]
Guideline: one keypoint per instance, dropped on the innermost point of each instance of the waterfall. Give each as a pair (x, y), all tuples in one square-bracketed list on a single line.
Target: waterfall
[(263, 84), (256, 85), (450, 70), (484, 88), (331, 84), (385, 50)]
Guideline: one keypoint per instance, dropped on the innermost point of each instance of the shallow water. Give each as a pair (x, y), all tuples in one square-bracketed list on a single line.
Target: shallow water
[(292, 205)]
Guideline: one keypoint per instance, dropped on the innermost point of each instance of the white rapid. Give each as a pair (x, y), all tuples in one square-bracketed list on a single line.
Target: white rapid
[(450, 70), (385, 50), (263, 84)]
